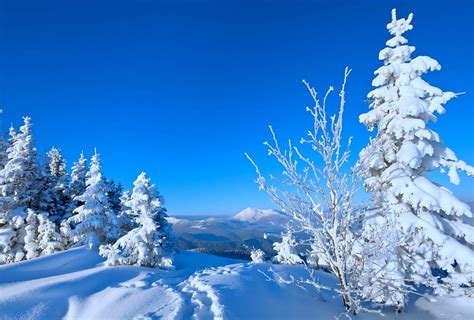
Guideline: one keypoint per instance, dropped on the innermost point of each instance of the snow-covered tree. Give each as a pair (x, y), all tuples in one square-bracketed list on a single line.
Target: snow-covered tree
[(31, 248), (12, 234), (94, 222), (126, 216), (150, 243), (286, 250), (54, 198), (257, 255), (49, 240), (77, 184), (20, 178), (4, 144), (317, 192), (397, 163), (66, 234), (115, 193)]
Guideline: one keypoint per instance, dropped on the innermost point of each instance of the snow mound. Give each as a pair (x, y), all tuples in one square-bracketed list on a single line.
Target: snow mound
[(75, 284), (253, 215)]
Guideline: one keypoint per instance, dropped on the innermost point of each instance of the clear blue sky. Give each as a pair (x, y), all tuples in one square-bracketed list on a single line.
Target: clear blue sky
[(183, 89)]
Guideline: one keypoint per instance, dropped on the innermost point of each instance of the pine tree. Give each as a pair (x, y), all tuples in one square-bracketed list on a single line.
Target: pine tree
[(4, 144), (12, 234), (397, 163), (115, 192), (7, 242), (77, 184), (150, 243), (94, 221), (126, 215), (66, 233), (257, 255), (20, 178), (54, 199), (286, 250), (31, 248), (49, 240)]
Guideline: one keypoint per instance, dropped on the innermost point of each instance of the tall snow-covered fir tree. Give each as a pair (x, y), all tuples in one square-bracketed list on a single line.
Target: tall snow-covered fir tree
[(3, 151), (115, 193), (127, 216), (77, 183), (94, 222), (54, 197), (20, 178), (398, 161), (149, 244)]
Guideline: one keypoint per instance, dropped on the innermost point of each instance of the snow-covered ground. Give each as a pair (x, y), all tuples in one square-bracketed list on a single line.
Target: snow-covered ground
[(75, 285)]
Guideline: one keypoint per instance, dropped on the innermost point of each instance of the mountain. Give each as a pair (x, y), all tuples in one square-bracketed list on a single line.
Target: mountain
[(252, 215), (231, 236)]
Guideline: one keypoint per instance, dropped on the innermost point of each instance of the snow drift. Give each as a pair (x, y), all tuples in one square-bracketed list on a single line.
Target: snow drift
[(75, 284)]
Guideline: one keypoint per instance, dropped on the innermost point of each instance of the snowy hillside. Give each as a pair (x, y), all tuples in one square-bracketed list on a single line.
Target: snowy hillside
[(74, 285)]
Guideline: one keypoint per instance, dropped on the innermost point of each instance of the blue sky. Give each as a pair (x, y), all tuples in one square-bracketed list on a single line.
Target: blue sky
[(183, 89)]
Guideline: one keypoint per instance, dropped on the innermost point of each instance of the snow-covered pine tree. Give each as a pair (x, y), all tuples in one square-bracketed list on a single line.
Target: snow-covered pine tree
[(12, 234), (149, 244), (115, 193), (126, 216), (66, 235), (20, 178), (31, 247), (286, 250), (4, 144), (94, 223), (77, 184), (54, 198), (49, 240), (398, 161), (257, 255)]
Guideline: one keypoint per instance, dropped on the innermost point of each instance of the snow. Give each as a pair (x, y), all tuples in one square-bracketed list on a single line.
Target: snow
[(75, 284)]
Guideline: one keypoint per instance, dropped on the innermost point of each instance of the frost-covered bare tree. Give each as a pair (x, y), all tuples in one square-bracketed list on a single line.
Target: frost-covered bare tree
[(317, 190)]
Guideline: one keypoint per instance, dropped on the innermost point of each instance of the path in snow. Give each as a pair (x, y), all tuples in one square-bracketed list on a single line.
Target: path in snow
[(203, 297)]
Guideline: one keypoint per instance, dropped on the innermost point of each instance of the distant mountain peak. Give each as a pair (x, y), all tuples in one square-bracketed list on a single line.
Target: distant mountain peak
[(253, 215)]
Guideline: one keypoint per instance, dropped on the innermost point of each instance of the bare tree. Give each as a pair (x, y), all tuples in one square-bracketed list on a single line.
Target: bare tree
[(318, 192)]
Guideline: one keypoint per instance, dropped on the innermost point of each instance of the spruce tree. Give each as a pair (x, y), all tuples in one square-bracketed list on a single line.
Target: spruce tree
[(54, 199), (49, 240), (4, 144), (126, 216), (150, 243), (94, 222), (77, 184), (20, 178), (12, 243), (115, 192), (398, 162), (286, 250), (31, 248)]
